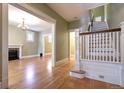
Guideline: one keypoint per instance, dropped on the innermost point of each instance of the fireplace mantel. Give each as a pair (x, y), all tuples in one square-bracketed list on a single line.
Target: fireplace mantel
[(19, 46), (15, 45)]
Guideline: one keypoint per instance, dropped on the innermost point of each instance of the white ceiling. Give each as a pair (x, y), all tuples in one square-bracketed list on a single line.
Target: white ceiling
[(35, 23), (72, 11)]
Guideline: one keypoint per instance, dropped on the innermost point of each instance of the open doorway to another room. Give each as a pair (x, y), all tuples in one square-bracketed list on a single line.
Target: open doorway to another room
[(31, 45), (72, 45), (47, 44)]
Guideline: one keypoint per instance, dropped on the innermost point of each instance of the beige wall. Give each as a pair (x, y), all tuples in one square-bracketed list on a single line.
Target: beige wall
[(72, 43), (62, 33), (18, 36), (48, 45), (115, 13)]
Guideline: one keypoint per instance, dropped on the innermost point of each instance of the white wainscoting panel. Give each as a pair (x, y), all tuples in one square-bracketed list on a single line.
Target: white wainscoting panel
[(107, 72)]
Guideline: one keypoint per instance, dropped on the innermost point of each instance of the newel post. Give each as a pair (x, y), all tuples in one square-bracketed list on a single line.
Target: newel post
[(122, 53), (77, 49)]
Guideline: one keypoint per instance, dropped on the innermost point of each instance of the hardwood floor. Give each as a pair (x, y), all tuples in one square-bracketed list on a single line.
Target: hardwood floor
[(37, 73)]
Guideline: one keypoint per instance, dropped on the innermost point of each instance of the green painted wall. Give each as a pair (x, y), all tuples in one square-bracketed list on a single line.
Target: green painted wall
[(18, 36), (115, 14), (74, 24), (99, 11), (62, 33)]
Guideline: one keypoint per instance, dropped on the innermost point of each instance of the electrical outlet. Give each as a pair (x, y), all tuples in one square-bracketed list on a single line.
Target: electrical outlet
[(101, 76)]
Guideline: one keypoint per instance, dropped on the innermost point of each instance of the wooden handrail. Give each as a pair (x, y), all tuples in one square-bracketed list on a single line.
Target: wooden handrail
[(102, 31)]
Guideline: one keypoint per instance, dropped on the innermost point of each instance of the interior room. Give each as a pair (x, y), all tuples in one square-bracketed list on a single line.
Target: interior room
[(29, 37), (67, 46)]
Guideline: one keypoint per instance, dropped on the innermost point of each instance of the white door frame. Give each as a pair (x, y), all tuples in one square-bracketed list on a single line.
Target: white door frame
[(35, 12)]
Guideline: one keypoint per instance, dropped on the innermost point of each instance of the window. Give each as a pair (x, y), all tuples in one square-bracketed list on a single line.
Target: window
[(30, 36)]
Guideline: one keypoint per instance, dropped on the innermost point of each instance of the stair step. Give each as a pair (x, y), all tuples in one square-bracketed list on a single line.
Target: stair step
[(77, 73), (99, 26)]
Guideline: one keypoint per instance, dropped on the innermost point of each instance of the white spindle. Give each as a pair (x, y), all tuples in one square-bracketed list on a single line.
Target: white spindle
[(106, 47), (109, 50), (117, 47), (93, 46), (103, 47), (89, 41), (83, 50), (99, 43), (88, 46), (81, 47), (97, 38), (113, 47)]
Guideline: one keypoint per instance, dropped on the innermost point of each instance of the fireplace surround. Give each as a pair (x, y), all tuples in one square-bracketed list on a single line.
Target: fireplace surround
[(15, 51)]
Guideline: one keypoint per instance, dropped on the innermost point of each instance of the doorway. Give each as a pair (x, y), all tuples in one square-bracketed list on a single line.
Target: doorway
[(47, 44), (28, 9), (72, 45), (34, 12)]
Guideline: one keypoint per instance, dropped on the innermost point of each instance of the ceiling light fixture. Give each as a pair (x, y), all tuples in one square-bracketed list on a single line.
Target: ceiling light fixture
[(22, 25)]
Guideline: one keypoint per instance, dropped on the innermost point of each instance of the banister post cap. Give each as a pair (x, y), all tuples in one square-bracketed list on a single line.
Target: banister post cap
[(122, 23)]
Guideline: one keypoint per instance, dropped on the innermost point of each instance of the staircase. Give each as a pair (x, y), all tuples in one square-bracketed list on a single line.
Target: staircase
[(97, 26), (92, 45)]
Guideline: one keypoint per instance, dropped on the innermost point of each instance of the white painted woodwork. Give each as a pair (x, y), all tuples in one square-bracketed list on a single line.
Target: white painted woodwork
[(107, 51), (122, 53), (17, 46), (77, 43), (101, 47)]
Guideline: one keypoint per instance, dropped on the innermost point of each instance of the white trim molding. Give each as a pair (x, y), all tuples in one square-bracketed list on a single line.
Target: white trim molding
[(18, 46), (34, 11), (30, 56), (122, 53), (106, 72)]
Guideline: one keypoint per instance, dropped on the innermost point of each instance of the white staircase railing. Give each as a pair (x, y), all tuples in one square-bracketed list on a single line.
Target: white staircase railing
[(101, 46)]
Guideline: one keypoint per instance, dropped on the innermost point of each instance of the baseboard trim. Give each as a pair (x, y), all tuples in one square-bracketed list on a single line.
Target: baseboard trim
[(61, 61), (30, 56)]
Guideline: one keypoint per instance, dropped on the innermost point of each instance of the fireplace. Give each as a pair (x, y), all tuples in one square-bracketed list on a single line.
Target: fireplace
[(13, 53)]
